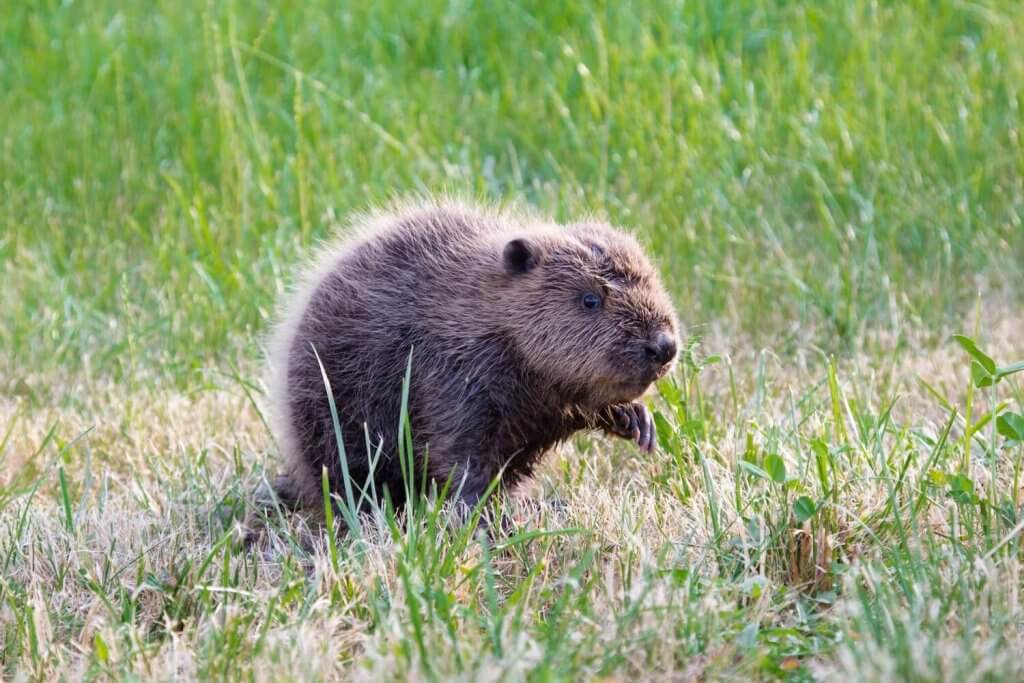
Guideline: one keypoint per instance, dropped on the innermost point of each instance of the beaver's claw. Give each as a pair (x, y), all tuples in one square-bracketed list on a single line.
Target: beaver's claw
[(632, 421)]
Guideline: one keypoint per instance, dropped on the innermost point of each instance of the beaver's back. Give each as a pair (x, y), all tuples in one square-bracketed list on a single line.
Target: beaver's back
[(406, 283)]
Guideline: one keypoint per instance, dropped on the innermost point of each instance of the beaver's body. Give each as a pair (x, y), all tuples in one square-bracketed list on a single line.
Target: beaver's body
[(522, 332)]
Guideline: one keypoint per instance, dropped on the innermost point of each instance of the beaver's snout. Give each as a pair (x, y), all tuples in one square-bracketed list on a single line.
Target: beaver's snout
[(661, 349)]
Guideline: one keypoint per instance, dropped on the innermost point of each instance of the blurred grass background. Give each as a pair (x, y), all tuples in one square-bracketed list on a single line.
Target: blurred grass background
[(163, 164)]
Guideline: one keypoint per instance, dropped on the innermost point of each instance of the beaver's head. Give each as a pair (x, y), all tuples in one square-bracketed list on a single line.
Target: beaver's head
[(587, 311)]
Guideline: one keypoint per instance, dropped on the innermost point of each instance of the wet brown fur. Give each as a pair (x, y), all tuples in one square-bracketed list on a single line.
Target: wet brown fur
[(506, 360)]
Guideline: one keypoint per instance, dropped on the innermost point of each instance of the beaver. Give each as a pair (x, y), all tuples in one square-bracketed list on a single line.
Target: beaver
[(520, 332)]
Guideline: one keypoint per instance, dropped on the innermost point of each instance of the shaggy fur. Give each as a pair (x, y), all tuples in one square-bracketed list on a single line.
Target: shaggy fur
[(507, 358)]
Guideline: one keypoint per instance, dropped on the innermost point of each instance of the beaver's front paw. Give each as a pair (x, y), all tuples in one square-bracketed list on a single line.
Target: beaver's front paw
[(632, 421)]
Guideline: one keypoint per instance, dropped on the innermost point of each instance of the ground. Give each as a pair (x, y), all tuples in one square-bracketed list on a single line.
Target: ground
[(831, 190)]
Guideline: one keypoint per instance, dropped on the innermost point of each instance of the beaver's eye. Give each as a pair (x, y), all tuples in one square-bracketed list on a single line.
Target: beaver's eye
[(591, 301)]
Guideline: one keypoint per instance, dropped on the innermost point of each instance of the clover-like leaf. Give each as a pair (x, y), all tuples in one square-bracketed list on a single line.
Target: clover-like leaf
[(971, 347), (1011, 425), (803, 509), (980, 376), (775, 467)]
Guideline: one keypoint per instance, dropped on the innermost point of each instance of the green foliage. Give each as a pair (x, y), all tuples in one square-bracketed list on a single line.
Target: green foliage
[(805, 174), (163, 164), (1011, 425)]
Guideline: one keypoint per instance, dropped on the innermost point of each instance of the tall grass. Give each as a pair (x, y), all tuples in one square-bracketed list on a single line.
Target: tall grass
[(163, 163)]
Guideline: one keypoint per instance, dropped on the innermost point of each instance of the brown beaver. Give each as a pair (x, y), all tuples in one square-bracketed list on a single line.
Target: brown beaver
[(522, 332)]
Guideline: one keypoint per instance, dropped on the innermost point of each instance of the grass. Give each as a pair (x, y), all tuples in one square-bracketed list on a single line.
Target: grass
[(831, 189)]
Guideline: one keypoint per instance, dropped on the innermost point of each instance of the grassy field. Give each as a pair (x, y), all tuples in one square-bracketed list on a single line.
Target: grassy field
[(832, 189)]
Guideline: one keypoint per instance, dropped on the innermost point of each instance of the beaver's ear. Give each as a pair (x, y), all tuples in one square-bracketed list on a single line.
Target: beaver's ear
[(521, 256)]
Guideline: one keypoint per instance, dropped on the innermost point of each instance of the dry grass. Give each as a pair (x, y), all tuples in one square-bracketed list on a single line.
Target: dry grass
[(675, 566)]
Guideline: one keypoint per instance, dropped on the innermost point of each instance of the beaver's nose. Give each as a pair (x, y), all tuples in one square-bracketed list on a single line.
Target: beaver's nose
[(661, 349)]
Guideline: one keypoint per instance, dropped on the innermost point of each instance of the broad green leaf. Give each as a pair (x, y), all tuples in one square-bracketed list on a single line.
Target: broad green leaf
[(775, 467), (663, 428), (972, 348), (981, 376), (692, 428), (753, 469), (803, 509), (1011, 425), (670, 392)]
